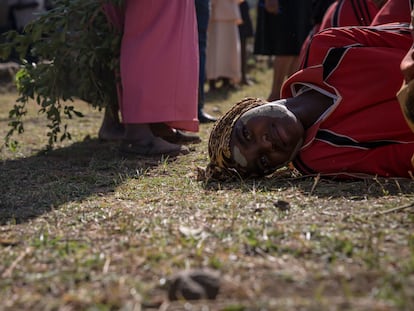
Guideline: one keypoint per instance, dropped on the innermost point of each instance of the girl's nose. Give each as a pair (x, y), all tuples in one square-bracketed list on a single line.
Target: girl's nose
[(265, 142)]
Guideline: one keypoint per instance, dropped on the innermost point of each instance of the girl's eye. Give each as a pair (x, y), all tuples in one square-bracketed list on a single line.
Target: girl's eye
[(246, 134)]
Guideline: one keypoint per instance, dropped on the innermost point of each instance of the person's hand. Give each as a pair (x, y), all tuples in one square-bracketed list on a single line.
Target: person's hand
[(272, 6)]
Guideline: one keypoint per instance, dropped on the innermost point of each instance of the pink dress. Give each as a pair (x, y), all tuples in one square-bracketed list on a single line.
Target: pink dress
[(159, 63)]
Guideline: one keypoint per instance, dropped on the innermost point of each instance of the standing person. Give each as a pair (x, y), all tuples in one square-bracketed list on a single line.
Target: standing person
[(159, 74), (246, 32), (264, 39), (203, 16), (223, 43), (282, 27)]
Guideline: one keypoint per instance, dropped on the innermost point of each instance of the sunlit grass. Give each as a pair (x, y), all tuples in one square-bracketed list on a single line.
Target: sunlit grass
[(84, 228)]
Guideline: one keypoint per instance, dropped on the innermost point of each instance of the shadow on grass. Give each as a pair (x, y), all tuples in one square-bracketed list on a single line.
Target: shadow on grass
[(322, 187), (35, 185), (218, 95)]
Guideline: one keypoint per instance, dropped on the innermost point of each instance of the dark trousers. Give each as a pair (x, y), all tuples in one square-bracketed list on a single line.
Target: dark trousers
[(203, 15)]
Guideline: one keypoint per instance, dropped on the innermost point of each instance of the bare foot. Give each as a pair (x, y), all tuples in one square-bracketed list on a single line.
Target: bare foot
[(156, 146), (139, 139)]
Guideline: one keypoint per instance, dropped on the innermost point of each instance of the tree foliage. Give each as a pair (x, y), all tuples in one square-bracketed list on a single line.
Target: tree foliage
[(69, 52)]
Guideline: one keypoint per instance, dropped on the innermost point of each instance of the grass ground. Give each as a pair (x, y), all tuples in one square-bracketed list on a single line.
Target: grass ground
[(83, 228)]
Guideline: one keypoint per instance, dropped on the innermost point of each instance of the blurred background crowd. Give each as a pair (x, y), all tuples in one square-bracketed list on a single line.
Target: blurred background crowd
[(240, 32), (15, 14)]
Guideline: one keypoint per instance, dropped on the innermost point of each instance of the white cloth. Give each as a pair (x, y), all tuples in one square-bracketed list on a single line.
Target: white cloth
[(223, 57)]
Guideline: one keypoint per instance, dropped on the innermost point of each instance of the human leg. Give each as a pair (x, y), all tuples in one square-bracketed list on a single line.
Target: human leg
[(203, 15), (283, 67), (145, 71), (139, 139), (245, 31), (111, 127), (243, 53)]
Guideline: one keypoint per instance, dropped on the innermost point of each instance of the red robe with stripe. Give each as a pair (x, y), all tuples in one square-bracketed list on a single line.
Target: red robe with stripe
[(394, 11), (349, 13), (342, 13), (363, 132)]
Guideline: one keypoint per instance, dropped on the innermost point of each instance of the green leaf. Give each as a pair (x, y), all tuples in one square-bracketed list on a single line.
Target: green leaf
[(77, 56)]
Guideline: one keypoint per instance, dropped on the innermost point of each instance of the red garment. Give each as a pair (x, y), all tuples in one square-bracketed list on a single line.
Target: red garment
[(349, 13), (342, 13), (364, 131), (394, 11)]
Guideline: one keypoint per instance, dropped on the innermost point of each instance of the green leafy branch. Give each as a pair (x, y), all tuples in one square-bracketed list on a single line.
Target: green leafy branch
[(76, 55)]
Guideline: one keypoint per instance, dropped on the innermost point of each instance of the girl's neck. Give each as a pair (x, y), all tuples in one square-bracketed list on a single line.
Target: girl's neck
[(309, 106)]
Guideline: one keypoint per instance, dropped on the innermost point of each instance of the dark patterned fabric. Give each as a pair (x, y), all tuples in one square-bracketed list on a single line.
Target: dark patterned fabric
[(221, 164)]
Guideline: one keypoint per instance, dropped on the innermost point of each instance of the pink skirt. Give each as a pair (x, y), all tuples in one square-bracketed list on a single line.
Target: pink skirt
[(159, 63)]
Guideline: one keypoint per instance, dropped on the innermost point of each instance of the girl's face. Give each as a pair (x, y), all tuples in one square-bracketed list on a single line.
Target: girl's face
[(265, 138)]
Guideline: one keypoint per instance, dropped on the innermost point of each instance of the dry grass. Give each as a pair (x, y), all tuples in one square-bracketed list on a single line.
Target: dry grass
[(83, 228)]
